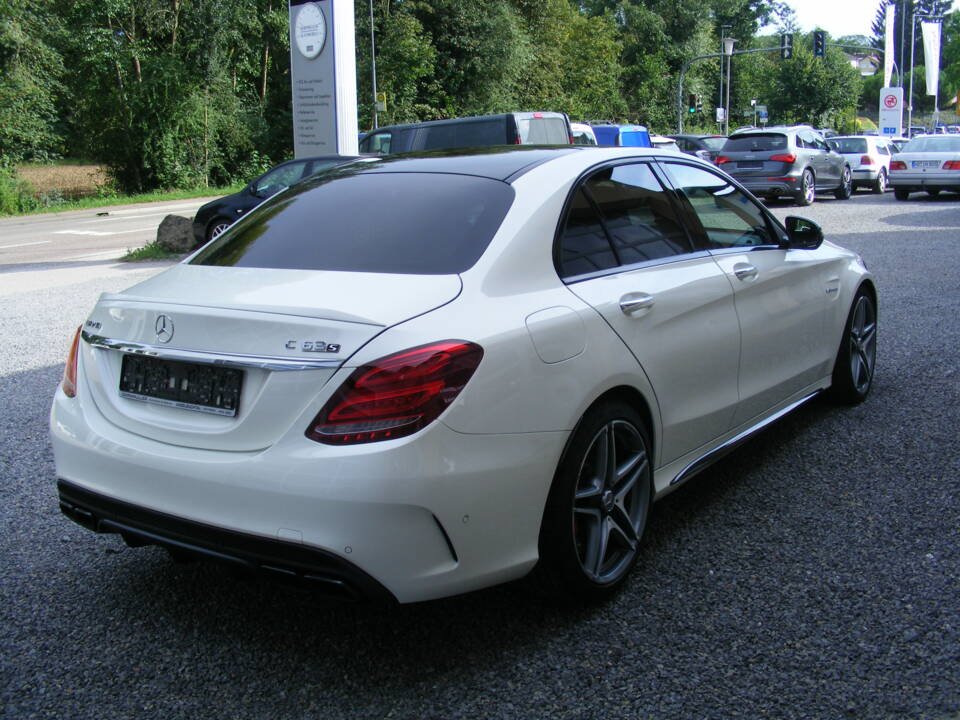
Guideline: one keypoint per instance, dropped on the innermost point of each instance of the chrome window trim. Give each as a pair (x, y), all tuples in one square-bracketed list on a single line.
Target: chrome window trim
[(620, 269), (275, 364)]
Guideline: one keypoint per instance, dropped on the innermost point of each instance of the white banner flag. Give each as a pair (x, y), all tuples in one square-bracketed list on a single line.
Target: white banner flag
[(888, 46), (931, 54)]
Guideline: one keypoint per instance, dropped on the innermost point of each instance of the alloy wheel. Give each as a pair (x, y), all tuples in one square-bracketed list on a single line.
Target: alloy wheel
[(612, 495), (863, 344)]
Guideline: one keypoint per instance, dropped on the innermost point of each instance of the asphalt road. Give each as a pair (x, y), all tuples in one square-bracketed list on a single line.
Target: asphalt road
[(815, 573), (96, 234)]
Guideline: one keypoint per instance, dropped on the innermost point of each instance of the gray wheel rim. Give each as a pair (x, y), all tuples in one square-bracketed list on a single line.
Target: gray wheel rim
[(882, 181), (809, 189), (863, 344), (610, 502), (218, 230), (847, 181)]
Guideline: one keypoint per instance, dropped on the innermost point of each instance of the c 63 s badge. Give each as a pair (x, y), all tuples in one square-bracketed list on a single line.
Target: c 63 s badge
[(312, 346)]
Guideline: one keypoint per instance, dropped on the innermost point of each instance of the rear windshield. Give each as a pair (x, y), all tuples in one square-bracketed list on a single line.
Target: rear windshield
[(932, 144), (849, 145), (542, 130), (406, 223), (713, 143), (755, 142)]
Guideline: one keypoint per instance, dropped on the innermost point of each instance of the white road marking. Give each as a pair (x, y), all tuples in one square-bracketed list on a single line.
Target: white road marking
[(114, 219), (39, 242), (101, 233)]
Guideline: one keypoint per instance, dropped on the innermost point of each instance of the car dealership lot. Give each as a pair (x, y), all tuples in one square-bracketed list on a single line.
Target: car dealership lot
[(813, 573)]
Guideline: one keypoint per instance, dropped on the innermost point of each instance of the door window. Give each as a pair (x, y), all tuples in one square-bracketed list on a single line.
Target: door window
[(279, 179), (729, 217)]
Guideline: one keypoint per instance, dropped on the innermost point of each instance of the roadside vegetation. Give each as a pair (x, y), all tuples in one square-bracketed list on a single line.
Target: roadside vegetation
[(196, 94)]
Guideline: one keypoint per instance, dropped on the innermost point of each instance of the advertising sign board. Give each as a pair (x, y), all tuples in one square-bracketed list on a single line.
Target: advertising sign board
[(891, 111)]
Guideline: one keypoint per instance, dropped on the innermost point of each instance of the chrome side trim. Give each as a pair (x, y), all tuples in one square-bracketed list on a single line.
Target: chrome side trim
[(276, 364), (704, 461)]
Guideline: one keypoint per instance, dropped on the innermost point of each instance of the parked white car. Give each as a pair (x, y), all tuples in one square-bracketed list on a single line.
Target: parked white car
[(583, 134), (868, 157), (497, 365), (930, 163)]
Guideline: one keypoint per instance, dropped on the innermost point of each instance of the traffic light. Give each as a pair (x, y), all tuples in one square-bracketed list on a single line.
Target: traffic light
[(819, 43), (699, 102), (691, 103), (786, 46)]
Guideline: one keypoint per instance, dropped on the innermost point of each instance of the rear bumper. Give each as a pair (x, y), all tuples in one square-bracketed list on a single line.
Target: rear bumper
[(921, 180), (138, 526), (785, 185), (865, 175)]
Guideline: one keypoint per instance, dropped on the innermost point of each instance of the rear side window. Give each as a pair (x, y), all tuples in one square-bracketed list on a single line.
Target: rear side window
[(406, 223), (755, 142), (542, 130), (463, 134)]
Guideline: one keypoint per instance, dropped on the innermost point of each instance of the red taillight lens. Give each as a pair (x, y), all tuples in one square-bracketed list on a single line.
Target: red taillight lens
[(784, 158), (866, 160), (69, 383), (397, 395), (898, 165), (721, 159), (951, 165)]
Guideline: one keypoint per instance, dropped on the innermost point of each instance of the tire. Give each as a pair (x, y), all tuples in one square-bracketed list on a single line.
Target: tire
[(808, 190), (901, 193), (880, 184), (216, 227), (846, 185), (857, 356), (933, 192), (598, 505)]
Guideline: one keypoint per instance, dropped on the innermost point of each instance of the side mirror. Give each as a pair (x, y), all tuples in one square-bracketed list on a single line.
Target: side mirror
[(803, 234)]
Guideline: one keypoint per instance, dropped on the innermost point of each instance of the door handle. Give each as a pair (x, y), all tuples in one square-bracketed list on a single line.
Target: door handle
[(744, 271), (632, 302)]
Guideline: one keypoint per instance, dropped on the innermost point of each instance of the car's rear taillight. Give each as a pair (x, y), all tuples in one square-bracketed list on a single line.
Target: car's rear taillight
[(898, 165), (784, 158), (951, 165), (721, 159), (866, 160), (69, 383), (397, 395)]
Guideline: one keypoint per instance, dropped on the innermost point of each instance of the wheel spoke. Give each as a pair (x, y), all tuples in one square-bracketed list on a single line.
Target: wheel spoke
[(623, 526), (610, 457), (599, 550)]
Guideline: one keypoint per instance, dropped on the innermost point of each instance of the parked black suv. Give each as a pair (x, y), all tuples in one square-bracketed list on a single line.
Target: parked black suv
[(518, 128), (793, 161)]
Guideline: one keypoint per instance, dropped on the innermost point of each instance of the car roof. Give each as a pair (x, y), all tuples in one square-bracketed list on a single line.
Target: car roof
[(497, 162)]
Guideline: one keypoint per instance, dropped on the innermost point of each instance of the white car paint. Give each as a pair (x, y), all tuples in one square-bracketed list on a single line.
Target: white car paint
[(458, 505)]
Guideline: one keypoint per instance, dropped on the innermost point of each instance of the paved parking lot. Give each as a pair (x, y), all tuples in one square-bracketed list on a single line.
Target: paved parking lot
[(815, 573)]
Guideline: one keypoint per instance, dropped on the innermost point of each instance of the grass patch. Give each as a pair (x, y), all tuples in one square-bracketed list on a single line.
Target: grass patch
[(157, 196), (150, 251)]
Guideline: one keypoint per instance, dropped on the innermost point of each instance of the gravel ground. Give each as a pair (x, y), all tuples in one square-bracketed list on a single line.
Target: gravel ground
[(813, 574)]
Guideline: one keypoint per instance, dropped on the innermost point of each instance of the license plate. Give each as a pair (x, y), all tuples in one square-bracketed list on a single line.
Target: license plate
[(185, 385), (926, 163), (750, 164)]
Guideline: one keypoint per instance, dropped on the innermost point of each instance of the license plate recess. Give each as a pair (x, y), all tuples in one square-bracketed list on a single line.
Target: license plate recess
[(204, 388)]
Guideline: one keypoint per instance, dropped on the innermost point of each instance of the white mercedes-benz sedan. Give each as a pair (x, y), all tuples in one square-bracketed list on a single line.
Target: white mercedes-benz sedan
[(422, 375)]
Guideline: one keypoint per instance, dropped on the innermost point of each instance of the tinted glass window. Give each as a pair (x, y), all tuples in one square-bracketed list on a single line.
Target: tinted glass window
[(755, 142), (409, 223), (729, 217), (376, 143), (279, 179), (638, 214), (713, 143), (850, 145), (584, 246), (542, 130), (476, 133)]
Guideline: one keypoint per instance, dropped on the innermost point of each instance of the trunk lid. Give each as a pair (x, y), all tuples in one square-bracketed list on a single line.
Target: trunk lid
[(285, 331)]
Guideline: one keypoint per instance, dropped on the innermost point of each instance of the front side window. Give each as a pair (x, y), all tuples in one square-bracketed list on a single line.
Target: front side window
[(378, 143), (279, 179), (730, 218), (621, 215)]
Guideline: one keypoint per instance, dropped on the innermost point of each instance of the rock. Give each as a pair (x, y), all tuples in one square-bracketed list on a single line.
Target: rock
[(175, 234)]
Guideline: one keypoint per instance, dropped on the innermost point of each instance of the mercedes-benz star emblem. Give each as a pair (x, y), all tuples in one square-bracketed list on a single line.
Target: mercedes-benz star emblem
[(164, 328)]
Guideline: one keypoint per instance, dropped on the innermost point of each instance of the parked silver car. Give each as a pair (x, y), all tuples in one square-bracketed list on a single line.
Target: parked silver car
[(930, 163), (793, 161), (868, 157)]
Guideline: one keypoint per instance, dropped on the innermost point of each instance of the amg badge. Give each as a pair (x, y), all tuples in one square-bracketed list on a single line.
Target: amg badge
[(313, 346)]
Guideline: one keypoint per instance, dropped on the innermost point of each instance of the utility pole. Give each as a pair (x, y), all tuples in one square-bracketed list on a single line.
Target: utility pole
[(723, 34), (728, 51), (373, 67)]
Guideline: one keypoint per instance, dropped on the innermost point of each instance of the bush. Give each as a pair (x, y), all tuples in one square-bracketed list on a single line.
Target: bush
[(16, 196)]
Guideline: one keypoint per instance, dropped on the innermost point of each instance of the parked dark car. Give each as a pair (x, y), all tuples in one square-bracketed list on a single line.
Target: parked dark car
[(216, 216), (705, 147), (794, 161), (517, 128)]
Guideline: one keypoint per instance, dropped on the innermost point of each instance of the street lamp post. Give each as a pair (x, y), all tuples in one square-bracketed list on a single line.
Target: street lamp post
[(728, 51), (723, 34), (373, 67)]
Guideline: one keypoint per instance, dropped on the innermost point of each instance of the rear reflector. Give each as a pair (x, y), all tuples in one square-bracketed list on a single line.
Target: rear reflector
[(397, 395), (898, 165), (69, 383), (784, 158)]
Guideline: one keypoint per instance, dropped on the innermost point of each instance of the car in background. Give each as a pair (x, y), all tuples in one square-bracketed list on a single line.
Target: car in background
[(917, 130), (705, 147), (826, 132), (868, 157), (780, 160), (953, 129), (930, 163), (662, 142), (217, 215), (424, 375), (515, 128), (583, 134), (622, 135), (897, 144)]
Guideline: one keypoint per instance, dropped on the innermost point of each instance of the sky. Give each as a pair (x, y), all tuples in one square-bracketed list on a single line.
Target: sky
[(837, 17)]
